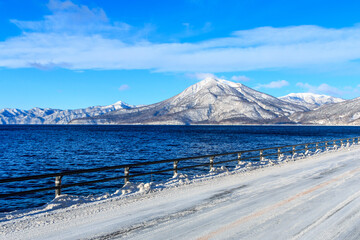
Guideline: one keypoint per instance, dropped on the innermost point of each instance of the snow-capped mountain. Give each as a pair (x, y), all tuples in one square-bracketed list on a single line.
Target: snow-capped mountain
[(343, 113), (310, 100), (211, 101), (55, 116)]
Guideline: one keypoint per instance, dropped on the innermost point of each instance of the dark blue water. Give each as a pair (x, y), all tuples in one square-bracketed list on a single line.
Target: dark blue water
[(30, 150)]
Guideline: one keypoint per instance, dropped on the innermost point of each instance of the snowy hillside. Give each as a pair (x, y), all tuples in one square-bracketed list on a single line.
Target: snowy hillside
[(343, 113), (54, 116), (211, 101), (310, 100)]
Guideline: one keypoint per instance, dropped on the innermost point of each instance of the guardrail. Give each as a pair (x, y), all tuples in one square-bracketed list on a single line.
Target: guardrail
[(254, 155)]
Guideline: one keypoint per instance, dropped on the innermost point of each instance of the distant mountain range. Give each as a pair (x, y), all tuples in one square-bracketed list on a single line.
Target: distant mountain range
[(310, 100), (343, 113), (55, 116), (211, 101)]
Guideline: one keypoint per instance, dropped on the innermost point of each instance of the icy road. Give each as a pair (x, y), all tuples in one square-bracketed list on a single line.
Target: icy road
[(313, 198)]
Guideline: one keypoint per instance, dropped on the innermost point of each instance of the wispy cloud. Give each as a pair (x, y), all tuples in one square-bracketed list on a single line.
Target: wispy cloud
[(240, 78), (49, 65), (322, 89), (78, 37), (344, 92), (70, 18), (274, 84), (201, 76), (124, 87), (191, 30)]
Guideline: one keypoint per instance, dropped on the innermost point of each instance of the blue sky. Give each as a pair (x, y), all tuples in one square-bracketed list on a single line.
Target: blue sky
[(74, 54)]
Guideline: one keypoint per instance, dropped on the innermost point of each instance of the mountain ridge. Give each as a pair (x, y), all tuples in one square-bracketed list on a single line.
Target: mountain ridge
[(343, 113), (310, 100), (210, 101), (38, 115)]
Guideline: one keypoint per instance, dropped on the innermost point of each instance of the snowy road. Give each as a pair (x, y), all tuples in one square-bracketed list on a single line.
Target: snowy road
[(313, 198)]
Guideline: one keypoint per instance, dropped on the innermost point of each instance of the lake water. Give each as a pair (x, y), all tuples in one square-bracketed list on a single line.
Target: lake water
[(29, 150)]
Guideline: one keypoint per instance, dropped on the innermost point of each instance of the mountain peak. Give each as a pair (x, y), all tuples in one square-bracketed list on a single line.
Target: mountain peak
[(207, 82), (119, 105), (209, 79), (212, 81)]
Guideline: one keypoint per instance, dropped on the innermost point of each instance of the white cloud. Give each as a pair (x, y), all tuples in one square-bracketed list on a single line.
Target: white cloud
[(191, 31), (240, 78), (124, 87), (70, 18), (274, 84), (322, 89), (49, 65), (201, 76), (77, 37), (345, 92)]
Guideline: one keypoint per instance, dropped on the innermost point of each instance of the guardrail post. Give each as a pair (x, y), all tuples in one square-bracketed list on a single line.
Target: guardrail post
[(211, 162), (347, 142), (335, 144), (326, 145), (341, 143), (279, 153), (261, 155), (317, 146), (58, 186), (353, 141), (126, 174), (239, 158), (293, 150), (175, 166), (306, 147)]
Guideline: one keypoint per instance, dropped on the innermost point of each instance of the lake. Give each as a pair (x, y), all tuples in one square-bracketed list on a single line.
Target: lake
[(37, 149)]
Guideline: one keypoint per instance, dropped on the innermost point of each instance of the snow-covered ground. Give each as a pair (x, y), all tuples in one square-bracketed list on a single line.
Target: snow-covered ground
[(317, 197)]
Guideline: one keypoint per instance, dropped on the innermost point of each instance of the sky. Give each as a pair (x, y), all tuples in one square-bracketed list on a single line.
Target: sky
[(75, 54)]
